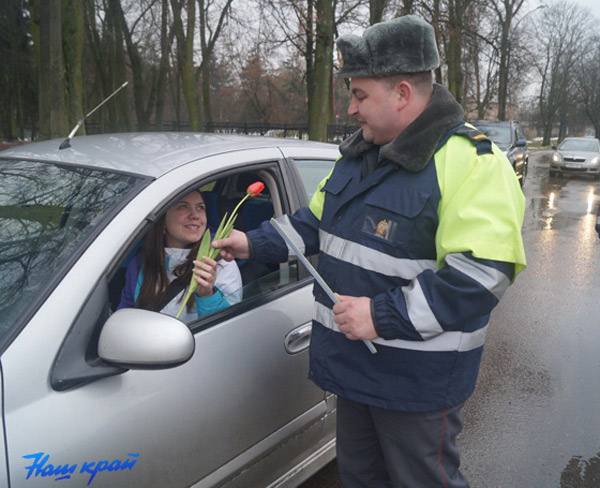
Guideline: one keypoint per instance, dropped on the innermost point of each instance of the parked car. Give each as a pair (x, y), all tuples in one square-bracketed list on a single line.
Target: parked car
[(509, 137), (576, 155), (223, 401)]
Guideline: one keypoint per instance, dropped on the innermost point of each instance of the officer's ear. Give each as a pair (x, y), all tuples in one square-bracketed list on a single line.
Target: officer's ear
[(404, 93)]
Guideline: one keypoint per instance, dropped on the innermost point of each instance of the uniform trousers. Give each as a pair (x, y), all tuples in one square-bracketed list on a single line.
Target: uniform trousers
[(381, 448)]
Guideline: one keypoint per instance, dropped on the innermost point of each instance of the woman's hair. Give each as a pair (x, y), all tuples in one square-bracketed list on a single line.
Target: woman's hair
[(154, 268)]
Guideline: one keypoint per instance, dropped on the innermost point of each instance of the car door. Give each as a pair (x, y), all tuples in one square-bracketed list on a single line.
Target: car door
[(240, 412)]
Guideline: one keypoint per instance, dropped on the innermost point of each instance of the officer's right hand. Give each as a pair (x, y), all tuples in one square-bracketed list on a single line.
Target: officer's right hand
[(234, 246)]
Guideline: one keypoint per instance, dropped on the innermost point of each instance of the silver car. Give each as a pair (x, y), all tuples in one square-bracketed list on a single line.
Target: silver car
[(576, 155), (96, 397)]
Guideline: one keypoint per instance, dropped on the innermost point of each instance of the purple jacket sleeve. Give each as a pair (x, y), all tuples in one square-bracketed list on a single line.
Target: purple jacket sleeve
[(131, 279)]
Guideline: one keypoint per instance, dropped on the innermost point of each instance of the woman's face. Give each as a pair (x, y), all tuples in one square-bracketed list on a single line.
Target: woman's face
[(185, 222)]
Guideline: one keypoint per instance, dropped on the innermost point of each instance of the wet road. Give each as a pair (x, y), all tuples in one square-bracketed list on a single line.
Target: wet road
[(534, 420)]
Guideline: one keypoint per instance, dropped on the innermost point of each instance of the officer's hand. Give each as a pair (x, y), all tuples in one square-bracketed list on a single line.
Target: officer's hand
[(234, 246), (353, 316)]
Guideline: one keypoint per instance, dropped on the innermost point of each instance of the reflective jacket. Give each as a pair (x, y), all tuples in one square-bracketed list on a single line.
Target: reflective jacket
[(434, 249)]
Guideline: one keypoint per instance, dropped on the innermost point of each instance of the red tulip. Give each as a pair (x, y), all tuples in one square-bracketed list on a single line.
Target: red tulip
[(255, 188)]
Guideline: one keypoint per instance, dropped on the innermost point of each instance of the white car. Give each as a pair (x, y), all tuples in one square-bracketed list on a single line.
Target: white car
[(94, 397), (576, 155)]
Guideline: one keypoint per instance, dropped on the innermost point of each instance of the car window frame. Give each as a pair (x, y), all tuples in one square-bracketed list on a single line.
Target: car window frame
[(283, 187), (82, 360)]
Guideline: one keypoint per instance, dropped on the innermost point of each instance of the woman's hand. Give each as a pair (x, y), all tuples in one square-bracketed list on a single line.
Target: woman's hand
[(204, 274)]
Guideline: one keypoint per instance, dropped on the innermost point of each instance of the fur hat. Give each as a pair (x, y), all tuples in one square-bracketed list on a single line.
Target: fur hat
[(403, 45)]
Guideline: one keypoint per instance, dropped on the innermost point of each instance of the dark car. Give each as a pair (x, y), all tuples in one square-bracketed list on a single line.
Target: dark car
[(509, 137)]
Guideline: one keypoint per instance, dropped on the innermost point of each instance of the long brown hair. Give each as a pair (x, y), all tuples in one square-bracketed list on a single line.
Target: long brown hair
[(154, 268)]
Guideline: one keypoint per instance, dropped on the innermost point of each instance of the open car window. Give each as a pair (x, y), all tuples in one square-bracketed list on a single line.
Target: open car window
[(221, 196)]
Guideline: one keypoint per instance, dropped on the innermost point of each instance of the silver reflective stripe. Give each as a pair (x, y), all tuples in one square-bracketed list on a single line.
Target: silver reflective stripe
[(371, 259), (288, 228), (495, 281), (419, 311), (445, 342)]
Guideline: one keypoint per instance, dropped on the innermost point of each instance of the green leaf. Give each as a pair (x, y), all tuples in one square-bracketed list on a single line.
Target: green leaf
[(203, 250)]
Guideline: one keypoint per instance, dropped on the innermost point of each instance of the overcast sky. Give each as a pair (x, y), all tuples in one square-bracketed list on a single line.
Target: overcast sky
[(593, 5)]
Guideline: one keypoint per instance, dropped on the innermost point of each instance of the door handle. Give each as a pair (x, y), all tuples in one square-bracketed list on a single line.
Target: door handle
[(298, 339)]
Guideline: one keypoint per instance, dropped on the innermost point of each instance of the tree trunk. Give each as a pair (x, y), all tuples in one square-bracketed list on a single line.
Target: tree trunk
[(51, 71), (185, 59), (118, 66), (73, 29), (376, 8), (503, 68), (320, 91), (207, 45), (454, 50), (161, 83)]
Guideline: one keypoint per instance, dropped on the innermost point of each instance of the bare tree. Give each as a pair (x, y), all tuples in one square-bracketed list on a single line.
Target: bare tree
[(73, 37), (505, 11), (185, 57), (376, 9), (51, 71), (18, 112), (587, 75), (481, 64), (561, 34), (212, 20)]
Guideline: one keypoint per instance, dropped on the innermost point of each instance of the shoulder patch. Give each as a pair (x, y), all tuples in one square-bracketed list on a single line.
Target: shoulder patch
[(478, 138)]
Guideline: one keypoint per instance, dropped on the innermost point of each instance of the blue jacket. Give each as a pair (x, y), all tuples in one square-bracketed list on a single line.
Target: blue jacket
[(434, 241), (133, 283)]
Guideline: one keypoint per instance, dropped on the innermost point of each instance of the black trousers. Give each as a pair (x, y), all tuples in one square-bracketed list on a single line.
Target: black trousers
[(380, 448)]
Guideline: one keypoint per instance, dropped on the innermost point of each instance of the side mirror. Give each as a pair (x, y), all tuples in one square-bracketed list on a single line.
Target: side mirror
[(521, 143), (554, 148), (140, 339)]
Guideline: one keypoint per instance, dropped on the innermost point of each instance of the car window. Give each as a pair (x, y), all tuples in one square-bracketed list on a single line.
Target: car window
[(221, 196), (48, 213), (499, 134), (579, 145), (312, 173)]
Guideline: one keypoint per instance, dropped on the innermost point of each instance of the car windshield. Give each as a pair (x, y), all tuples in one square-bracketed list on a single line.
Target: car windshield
[(48, 213), (497, 133), (589, 145)]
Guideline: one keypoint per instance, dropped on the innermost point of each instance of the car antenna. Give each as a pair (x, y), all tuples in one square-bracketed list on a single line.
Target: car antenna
[(67, 142)]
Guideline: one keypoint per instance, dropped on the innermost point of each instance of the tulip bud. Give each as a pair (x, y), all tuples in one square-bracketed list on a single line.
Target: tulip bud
[(255, 188)]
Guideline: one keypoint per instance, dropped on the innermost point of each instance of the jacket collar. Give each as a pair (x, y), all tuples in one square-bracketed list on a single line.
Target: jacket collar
[(416, 145)]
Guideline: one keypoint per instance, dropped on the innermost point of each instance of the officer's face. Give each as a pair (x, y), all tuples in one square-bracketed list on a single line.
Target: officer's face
[(377, 108)]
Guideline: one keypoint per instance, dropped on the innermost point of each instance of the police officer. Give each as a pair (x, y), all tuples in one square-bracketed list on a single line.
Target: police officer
[(418, 230)]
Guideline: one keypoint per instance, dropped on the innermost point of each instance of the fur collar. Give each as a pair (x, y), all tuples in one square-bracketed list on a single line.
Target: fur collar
[(415, 146)]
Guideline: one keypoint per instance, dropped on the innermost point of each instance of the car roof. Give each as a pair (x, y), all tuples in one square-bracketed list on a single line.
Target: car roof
[(146, 153), (492, 122)]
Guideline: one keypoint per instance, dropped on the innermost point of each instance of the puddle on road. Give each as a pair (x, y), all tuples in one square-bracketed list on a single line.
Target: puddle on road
[(580, 473), (558, 209)]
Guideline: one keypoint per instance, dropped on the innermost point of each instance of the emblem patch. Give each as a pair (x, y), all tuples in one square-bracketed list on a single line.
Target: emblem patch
[(380, 225), (381, 229)]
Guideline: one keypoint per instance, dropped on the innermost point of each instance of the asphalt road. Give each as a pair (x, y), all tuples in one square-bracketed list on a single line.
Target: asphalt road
[(534, 420)]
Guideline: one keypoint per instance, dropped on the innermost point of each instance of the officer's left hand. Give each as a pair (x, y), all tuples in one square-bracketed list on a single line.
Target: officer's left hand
[(353, 316)]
